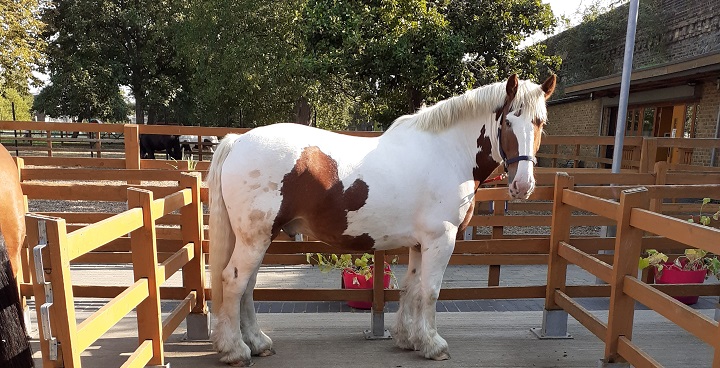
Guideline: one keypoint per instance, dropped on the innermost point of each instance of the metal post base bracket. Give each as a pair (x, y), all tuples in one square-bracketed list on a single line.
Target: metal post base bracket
[(369, 335), (198, 327), (554, 326), (377, 329)]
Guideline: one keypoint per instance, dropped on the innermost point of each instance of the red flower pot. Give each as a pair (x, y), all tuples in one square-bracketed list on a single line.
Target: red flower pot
[(673, 275), (352, 280)]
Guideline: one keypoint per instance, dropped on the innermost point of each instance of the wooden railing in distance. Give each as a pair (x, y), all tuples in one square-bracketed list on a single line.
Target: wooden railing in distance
[(633, 219), (149, 274)]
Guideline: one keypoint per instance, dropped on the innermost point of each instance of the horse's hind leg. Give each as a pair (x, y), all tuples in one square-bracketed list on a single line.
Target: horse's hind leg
[(409, 300), (259, 343), (435, 256), (228, 335)]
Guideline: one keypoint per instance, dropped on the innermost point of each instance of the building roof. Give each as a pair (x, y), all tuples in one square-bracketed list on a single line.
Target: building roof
[(666, 75)]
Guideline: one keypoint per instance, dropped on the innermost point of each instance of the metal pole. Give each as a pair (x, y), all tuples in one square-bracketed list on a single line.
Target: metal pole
[(625, 86)]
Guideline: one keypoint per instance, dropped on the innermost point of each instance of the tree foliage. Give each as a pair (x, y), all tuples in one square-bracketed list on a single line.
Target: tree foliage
[(23, 103), (115, 43), (397, 55), (21, 44), (248, 63), (243, 57)]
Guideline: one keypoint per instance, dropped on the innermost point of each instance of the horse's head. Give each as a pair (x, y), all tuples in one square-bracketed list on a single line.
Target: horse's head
[(521, 123)]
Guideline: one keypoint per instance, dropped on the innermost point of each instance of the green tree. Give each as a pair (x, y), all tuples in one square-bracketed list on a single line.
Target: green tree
[(397, 55), (23, 102), (116, 43), (243, 56), (20, 42)]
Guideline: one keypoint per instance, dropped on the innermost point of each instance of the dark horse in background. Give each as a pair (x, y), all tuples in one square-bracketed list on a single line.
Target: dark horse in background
[(151, 143), (14, 346)]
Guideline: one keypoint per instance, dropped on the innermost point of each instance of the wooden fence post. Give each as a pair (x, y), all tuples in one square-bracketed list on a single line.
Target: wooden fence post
[(648, 155), (143, 247), (48, 134), (131, 137), (554, 324), (193, 273), (53, 291), (497, 233), (628, 244)]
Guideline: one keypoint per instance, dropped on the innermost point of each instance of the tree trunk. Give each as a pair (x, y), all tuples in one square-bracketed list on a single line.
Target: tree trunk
[(414, 100), (302, 111)]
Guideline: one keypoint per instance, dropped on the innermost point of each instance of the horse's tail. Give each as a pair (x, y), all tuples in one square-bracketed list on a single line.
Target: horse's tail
[(222, 238), (15, 349)]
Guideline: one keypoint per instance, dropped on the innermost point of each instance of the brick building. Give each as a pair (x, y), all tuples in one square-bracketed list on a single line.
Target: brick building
[(675, 84)]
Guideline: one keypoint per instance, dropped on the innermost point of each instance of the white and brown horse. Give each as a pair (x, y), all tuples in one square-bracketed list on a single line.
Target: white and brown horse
[(14, 346), (411, 187)]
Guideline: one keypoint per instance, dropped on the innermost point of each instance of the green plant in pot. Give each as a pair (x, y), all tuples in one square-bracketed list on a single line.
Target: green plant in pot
[(706, 219), (693, 267), (357, 273)]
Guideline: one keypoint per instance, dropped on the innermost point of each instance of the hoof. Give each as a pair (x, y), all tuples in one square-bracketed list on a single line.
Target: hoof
[(240, 363), (444, 355), (267, 352)]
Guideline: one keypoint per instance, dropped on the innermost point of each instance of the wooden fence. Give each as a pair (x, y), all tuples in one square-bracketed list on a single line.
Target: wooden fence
[(633, 218), (62, 341)]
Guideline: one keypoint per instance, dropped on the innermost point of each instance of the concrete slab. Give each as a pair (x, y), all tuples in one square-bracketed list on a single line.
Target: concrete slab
[(476, 339)]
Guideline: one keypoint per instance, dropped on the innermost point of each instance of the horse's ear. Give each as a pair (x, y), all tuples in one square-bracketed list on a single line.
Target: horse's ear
[(549, 86), (512, 86)]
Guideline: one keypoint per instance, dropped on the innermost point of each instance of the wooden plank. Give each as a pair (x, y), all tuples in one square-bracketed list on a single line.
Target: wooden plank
[(83, 174), (697, 236), (91, 237), (589, 263), (696, 323), (599, 206), (175, 262), (628, 242), (582, 315), (559, 232), (114, 163), (86, 192), (62, 313), (100, 322), (178, 314), (634, 355), (536, 220), (171, 203), (140, 357), (145, 265)]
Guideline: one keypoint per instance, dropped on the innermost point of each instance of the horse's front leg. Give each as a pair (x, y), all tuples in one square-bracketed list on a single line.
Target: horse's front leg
[(435, 256), (409, 301)]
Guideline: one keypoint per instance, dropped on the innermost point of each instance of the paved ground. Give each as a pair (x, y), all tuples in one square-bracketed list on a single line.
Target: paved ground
[(481, 333)]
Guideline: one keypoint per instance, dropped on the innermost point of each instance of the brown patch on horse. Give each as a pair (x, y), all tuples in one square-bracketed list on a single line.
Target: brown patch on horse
[(538, 126), (314, 198), (484, 162), (254, 174), (484, 166)]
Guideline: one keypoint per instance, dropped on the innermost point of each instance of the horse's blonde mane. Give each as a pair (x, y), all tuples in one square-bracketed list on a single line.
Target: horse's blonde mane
[(475, 102)]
